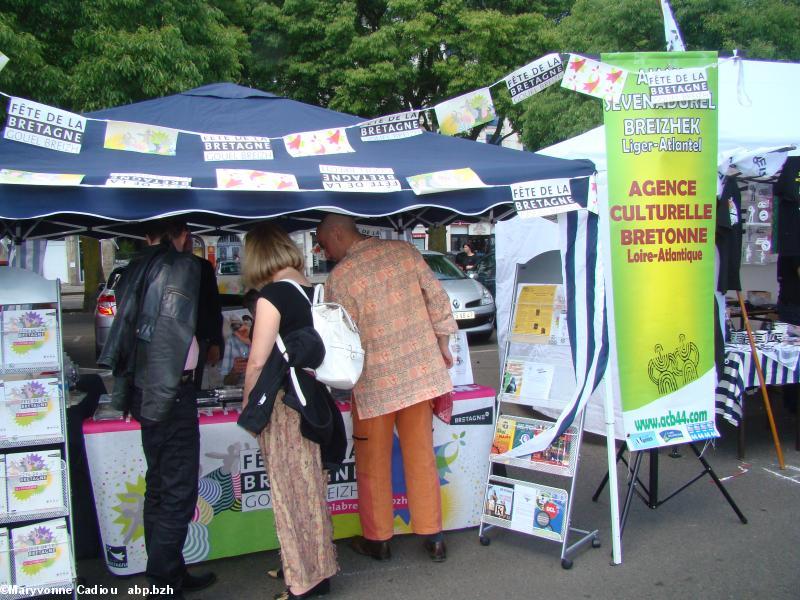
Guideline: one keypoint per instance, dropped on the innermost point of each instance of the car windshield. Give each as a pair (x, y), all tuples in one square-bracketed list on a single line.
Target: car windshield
[(442, 267), (229, 268), (486, 264)]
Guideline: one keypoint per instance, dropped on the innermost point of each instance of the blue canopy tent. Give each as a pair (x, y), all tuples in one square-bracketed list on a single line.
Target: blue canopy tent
[(29, 211)]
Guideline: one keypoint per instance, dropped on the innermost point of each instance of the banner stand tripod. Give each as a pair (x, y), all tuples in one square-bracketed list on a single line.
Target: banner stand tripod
[(649, 493)]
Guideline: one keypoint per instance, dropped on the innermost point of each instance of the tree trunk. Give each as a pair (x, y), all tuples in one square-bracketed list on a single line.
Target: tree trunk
[(92, 271), (437, 239)]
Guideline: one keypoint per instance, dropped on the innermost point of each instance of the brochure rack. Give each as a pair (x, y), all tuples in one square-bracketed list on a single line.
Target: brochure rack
[(516, 498), (35, 516)]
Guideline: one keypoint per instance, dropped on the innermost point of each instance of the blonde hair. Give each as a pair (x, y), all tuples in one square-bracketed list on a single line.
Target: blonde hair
[(267, 250)]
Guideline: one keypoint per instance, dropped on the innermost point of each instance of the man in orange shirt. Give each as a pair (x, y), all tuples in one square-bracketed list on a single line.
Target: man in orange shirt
[(404, 318)]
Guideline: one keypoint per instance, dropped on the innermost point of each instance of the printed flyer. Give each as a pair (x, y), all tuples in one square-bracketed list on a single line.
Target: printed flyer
[(534, 313), (30, 338), (662, 166), (30, 409), (136, 137), (34, 481), (499, 501), (465, 112), (548, 518), (527, 379), (42, 553)]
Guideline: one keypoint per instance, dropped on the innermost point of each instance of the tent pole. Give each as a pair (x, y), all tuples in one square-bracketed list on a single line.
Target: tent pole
[(762, 383), (613, 496)]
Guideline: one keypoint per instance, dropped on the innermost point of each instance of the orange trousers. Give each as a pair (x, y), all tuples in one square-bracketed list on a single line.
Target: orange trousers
[(372, 439)]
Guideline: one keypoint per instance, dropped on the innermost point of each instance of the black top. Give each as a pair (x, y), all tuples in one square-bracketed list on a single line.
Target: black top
[(787, 192), (295, 311), (209, 307), (788, 280), (729, 236)]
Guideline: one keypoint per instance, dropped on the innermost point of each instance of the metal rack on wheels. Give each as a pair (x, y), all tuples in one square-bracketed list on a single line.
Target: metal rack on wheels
[(23, 290), (513, 498)]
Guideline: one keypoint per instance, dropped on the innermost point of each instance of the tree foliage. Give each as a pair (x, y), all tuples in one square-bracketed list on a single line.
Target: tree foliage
[(366, 57)]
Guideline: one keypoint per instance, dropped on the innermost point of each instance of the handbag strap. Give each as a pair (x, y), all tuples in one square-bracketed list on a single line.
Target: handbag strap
[(292, 372), (300, 289)]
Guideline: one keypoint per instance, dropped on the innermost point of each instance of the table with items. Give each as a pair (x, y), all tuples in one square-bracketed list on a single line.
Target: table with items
[(233, 515)]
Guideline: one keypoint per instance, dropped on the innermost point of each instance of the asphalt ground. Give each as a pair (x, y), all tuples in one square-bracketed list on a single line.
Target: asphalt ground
[(693, 546)]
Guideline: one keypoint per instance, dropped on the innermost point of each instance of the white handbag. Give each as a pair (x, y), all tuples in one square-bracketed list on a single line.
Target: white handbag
[(344, 355)]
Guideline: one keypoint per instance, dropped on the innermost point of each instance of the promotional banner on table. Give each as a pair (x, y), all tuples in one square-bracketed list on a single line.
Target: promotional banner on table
[(661, 141)]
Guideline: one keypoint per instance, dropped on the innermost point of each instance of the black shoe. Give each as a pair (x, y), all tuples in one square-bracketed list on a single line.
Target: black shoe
[(436, 550), (275, 573), (371, 548), (321, 589), (192, 583)]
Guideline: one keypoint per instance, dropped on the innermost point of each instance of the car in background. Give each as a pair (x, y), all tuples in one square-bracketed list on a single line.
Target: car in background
[(106, 309), (472, 304)]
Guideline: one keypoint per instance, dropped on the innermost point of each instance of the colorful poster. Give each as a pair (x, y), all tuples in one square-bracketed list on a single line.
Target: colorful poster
[(317, 143), (41, 125), (445, 181), (391, 127), (34, 481), (465, 112), (358, 179), (675, 85), (29, 178), (594, 78), (662, 199), (533, 313), (499, 501), (235, 147), (30, 338), (248, 179), (534, 77), (30, 409), (234, 514), (136, 137), (42, 554), (542, 198), (147, 181), (548, 518)]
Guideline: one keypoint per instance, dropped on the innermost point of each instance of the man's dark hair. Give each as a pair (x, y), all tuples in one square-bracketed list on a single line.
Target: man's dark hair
[(249, 300)]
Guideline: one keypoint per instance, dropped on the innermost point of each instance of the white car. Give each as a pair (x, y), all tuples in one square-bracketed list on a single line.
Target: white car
[(472, 304)]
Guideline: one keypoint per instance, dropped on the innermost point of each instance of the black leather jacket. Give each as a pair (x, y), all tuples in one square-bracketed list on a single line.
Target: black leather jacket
[(156, 319)]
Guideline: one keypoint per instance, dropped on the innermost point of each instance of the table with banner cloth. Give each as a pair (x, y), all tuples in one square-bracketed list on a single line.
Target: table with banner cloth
[(779, 363), (234, 509)]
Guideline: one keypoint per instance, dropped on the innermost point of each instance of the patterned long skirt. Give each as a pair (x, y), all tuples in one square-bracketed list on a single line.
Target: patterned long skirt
[(299, 499)]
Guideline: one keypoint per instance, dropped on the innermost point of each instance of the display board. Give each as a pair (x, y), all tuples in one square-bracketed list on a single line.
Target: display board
[(234, 508), (35, 541)]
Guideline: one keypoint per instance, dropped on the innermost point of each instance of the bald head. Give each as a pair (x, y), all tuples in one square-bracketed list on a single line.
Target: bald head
[(335, 234)]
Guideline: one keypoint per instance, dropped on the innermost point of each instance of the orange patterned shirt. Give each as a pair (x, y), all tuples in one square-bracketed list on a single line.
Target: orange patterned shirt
[(400, 307)]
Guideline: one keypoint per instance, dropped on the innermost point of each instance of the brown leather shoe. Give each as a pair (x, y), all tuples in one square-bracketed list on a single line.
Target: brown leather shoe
[(436, 550), (372, 548)]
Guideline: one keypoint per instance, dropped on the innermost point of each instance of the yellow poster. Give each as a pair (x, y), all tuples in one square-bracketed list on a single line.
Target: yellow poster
[(534, 311)]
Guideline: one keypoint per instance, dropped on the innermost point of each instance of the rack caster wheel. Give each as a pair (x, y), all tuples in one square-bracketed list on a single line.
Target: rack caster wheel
[(566, 563), (485, 541), (596, 543)]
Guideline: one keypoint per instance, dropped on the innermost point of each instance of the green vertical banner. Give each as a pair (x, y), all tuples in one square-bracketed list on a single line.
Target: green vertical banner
[(661, 142)]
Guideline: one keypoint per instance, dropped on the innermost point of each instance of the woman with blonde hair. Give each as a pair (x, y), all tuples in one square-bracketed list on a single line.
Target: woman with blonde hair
[(293, 462)]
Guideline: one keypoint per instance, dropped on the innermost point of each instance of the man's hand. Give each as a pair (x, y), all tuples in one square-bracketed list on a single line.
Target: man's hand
[(444, 347), (213, 355)]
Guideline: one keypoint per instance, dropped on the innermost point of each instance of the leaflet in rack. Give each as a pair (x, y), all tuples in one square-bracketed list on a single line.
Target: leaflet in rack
[(526, 507), (5, 558), (558, 458), (30, 339), (42, 553), (540, 315), (30, 409)]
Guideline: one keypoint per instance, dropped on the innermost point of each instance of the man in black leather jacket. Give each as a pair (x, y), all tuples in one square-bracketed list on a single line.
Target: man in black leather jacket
[(153, 350)]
